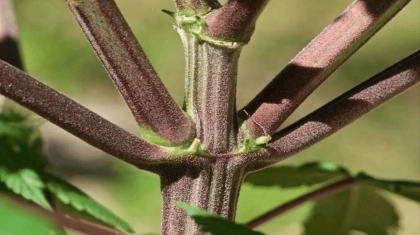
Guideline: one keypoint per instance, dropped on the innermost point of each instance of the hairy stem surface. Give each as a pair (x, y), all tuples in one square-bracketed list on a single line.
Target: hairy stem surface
[(214, 187), (210, 99), (75, 118), (317, 61), (160, 119), (342, 111)]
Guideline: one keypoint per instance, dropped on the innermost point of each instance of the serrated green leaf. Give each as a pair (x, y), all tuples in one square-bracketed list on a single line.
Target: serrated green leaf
[(407, 189), (215, 224), (359, 208), (26, 183), (294, 176), (74, 198), (21, 156), (16, 221)]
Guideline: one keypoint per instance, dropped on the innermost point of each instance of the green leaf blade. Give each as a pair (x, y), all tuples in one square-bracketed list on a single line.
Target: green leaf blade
[(21, 156), (359, 208), (294, 176), (407, 189), (22, 171), (73, 198), (16, 221), (26, 183), (214, 224)]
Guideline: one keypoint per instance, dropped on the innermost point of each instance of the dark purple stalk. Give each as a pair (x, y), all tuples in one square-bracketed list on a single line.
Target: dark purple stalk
[(312, 196), (316, 62), (211, 94), (343, 110), (214, 186), (160, 119), (209, 173), (236, 20), (74, 118)]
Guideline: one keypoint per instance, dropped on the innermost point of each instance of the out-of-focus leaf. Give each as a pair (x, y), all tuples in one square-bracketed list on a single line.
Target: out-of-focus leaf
[(408, 189), (21, 156), (22, 171), (294, 176), (15, 122), (11, 130), (17, 221), (20, 141), (359, 208), (74, 198), (26, 183), (215, 224)]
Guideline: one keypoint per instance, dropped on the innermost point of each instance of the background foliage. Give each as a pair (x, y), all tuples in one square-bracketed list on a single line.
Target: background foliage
[(385, 143)]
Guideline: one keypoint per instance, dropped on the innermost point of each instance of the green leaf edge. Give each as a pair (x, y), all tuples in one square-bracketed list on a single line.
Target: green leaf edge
[(197, 213), (37, 195), (59, 187), (392, 186)]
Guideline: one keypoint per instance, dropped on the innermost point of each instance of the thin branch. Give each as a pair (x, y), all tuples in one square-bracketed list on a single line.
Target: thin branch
[(341, 111), (317, 61), (74, 118), (312, 196), (235, 20), (9, 50), (64, 220), (134, 76)]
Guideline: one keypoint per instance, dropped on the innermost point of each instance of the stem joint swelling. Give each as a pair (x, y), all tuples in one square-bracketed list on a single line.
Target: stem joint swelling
[(195, 25), (210, 92)]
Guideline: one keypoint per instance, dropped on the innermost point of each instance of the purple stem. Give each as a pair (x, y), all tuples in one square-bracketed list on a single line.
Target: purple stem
[(235, 21), (340, 112), (210, 95), (213, 187), (317, 61), (9, 50), (76, 119), (312, 196), (134, 76)]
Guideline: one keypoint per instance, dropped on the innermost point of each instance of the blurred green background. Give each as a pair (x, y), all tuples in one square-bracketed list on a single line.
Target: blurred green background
[(384, 143)]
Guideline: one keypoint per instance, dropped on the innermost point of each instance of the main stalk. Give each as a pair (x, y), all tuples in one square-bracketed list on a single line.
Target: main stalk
[(210, 100), (214, 188), (211, 71), (213, 37)]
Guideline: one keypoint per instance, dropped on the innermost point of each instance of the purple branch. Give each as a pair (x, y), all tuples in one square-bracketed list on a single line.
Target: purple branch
[(126, 63), (312, 196), (317, 61), (9, 50), (236, 20), (336, 114), (341, 111), (74, 118)]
